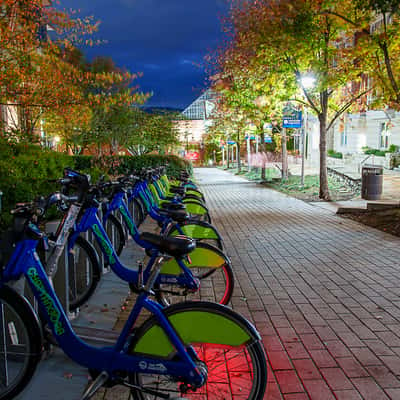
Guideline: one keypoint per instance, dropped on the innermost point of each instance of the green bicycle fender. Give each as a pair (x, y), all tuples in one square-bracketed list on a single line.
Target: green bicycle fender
[(164, 181), (154, 192), (194, 193), (197, 201), (193, 327), (145, 201), (194, 208), (199, 257), (196, 231)]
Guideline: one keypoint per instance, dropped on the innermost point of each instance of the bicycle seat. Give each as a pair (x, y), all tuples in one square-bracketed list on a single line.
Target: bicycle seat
[(177, 215), (177, 246)]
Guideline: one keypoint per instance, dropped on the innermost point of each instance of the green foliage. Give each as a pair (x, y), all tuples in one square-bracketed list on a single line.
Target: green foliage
[(151, 132), (393, 148), (25, 170), (335, 154), (375, 152)]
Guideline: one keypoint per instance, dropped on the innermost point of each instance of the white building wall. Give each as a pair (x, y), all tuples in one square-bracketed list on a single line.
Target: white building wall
[(362, 130)]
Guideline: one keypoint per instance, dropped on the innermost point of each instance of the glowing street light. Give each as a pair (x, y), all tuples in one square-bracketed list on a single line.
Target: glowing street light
[(307, 81)]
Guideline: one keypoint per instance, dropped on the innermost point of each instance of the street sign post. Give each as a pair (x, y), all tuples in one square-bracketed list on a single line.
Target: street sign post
[(292, 119)]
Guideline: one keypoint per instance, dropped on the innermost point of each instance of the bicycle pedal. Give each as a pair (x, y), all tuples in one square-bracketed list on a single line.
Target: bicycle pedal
[(101, 379)]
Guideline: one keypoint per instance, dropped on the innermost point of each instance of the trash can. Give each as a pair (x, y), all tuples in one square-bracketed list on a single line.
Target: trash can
[(371, 182)]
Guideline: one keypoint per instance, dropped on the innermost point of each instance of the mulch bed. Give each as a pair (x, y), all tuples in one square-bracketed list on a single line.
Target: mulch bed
[(384, 220)]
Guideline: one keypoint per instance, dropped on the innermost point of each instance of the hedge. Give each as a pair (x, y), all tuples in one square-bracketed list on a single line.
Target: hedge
[(25, 171)]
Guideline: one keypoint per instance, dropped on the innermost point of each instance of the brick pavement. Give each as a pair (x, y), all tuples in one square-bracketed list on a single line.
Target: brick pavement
[(322, 291)]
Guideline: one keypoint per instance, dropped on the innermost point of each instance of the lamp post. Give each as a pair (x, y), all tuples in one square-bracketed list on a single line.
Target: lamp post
[(306, 82)]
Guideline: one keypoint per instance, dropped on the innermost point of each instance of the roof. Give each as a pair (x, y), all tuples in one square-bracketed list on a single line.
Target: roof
[(202, 107)]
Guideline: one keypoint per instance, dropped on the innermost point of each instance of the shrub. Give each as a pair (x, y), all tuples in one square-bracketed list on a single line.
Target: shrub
[(118, 165), (25, 170), (393, 148), (375, 152), (335, 154)]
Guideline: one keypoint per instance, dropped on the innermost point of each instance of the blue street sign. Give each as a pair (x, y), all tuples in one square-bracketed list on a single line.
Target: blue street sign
[(292, 119), (231, 142), (268, 139)]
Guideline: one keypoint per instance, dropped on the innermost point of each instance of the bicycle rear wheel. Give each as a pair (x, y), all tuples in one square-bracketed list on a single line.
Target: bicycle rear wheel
[(234, 371), (20, 343), (84, 272)]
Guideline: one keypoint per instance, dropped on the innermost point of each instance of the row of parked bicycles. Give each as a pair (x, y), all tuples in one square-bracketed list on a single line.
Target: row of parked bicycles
[(191, 346)]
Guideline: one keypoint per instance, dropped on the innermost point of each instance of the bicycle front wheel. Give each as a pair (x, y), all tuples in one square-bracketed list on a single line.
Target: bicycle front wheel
[(234, 371), (84, 272), (20, 343)]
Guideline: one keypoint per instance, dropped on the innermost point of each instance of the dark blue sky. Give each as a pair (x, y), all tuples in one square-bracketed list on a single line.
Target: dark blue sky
[(165, 39)]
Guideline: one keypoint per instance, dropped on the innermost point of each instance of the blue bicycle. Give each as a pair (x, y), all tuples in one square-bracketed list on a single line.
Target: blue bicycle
[(178, 277), (194, 350)]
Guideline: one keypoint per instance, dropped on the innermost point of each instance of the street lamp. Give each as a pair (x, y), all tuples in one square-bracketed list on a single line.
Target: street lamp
[(307, 82)]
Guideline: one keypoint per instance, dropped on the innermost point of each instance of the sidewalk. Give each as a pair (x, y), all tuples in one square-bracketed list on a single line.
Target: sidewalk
[(323, 291)]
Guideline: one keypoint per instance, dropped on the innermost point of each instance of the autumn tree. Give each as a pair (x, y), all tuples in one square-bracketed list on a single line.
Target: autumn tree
[(73, 129), (304, 37), (152, 132), (251, 90), (378, 42), (39, 76)]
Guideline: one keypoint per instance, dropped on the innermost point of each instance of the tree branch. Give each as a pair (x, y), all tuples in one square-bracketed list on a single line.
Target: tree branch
[(347, 106)]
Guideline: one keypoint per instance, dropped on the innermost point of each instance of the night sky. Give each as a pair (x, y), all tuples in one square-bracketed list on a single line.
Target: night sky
[(165, 39)]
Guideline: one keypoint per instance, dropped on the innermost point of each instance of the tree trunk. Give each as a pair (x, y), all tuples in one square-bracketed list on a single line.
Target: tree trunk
[(323, 170), (239, 164), (284, 155)]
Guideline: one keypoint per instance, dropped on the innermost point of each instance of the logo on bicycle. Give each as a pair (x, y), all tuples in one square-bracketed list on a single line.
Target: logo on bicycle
[(152, 367), (127, 220), (47, 301), (106, 246)]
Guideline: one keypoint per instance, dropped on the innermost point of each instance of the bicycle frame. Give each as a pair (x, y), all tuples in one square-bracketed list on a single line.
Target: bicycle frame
[(25, 261), (90, 221)]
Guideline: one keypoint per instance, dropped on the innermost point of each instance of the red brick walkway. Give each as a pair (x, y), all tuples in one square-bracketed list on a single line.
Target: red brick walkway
[(323, 291)]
